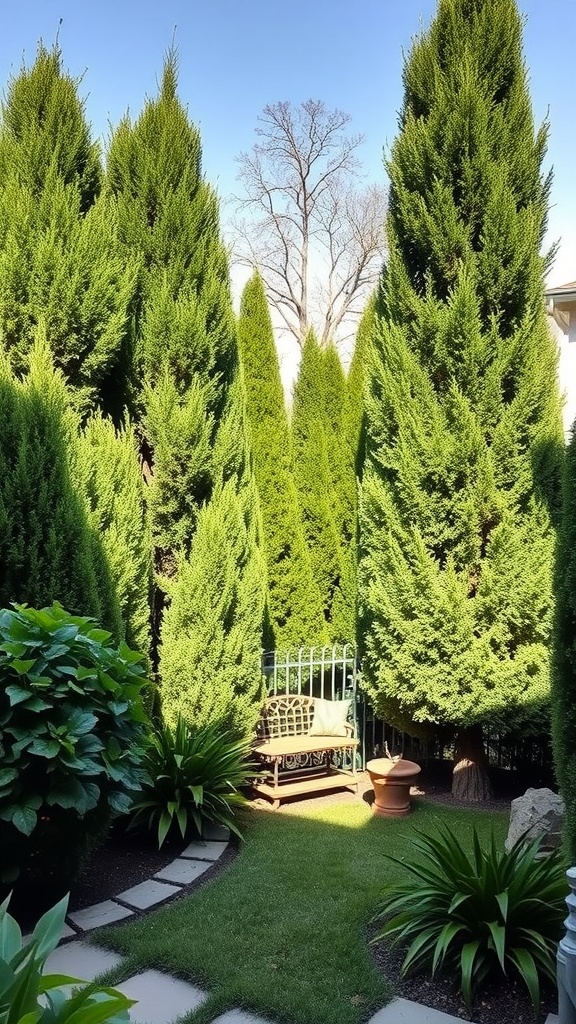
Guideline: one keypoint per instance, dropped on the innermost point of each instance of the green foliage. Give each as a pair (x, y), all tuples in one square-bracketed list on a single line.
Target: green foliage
[(44, 130), (210, 652), (479, 915), (107, 472), (195, 774), (59, 264), (190, 406), (29, 996), (73, 729), (325, 480), (355, 385), (47, 551), (294, 608), (341, 465), (564, 652), (463, 412)]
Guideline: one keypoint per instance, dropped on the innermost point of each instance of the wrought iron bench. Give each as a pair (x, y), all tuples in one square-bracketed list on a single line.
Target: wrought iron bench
[(294, 761)]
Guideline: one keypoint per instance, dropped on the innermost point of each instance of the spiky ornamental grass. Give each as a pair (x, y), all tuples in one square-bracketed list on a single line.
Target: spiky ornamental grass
[(463, 413), (194, 777), (478, 914)]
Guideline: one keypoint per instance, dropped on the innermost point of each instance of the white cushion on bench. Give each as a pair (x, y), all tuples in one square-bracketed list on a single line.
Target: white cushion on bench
[(330, 717)]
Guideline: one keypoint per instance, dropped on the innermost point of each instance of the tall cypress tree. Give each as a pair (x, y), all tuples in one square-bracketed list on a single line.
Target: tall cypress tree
[(313, 479), (463, 411), (47, 549), (355, 426), (293, 597), (59, 264), (210, 655), (341, 465), (107, 474), (191, 404)]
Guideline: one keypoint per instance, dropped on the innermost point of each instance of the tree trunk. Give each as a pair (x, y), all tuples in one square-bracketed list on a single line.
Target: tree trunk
[(470, 778)]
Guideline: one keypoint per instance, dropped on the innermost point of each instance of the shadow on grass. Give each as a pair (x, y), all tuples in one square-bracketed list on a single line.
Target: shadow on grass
[(282, 932)]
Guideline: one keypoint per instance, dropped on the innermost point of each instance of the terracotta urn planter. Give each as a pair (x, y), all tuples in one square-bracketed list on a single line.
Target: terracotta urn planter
[(392, 781)]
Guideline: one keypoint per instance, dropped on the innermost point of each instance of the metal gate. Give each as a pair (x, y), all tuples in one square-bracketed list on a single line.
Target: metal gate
[(329, 672)]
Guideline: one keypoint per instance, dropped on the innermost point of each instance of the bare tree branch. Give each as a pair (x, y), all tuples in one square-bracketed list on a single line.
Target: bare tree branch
[(316, 237)]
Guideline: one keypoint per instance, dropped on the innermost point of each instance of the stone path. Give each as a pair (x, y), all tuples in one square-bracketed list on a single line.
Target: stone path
[(163, 999)]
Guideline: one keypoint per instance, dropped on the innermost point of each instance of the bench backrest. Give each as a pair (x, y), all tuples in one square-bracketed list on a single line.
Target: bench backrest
[(288, 714)]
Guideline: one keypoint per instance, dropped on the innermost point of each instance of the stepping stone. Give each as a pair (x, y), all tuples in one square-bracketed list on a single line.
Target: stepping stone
[(216, 832), (239, 1017), (99, 914), (404, 1011), (182, 871), (161, 999), (205, 851), (147, 894), (80, 960), (66, 933), (551, 1019)]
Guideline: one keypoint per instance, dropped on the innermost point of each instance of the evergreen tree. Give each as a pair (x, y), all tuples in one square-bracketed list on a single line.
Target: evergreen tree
[(59, 264), (564, 660), (47, 550), (355, 426), (294, 609), (107, 471), (341, 465), (191, 403), (462, 408), (313, 479), (210, 655)]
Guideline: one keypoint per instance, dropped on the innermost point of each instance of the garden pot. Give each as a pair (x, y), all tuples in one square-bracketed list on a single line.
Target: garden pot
[(392, 781)]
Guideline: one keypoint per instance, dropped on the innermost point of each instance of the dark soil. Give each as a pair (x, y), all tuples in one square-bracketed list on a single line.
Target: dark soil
[(501, 1002), (124, 859)]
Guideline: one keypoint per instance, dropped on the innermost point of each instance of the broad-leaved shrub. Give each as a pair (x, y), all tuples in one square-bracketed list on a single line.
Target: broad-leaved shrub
[(72, 733)]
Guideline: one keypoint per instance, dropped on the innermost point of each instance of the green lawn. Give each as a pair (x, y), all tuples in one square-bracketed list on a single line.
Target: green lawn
[(282, 931)]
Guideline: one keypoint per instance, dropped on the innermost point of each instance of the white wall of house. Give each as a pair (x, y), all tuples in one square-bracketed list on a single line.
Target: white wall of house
[(566, 368)]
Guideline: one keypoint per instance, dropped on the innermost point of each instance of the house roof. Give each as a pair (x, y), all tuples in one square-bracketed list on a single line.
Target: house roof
[(562, 291)]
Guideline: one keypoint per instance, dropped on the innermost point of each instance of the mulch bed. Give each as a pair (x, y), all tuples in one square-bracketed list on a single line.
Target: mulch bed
[(498, 1003), (125, 859)]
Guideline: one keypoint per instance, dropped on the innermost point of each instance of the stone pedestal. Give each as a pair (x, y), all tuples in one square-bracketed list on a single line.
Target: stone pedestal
[(566, 959)]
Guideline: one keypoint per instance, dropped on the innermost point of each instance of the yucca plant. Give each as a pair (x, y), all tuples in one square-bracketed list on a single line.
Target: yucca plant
[(195, 777), (28, 996), (481, 914)]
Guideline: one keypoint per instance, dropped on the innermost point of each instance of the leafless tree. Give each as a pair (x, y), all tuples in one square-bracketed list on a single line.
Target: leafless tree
[(315, 235)]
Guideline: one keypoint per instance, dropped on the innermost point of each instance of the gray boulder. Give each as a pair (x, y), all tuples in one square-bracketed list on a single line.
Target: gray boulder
[(540, 812)]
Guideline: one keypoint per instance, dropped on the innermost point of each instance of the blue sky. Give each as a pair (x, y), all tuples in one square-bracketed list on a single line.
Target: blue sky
[(237, 56)]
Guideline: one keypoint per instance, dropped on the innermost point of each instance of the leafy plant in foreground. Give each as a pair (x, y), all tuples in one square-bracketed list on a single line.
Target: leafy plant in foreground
[(195, 777), (479, 914), (27, 996), (72, 730)]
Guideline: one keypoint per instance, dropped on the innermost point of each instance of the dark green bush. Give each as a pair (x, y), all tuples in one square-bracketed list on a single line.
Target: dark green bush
[(72, 733), (28, 996), (195, 777), (488, 913)]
